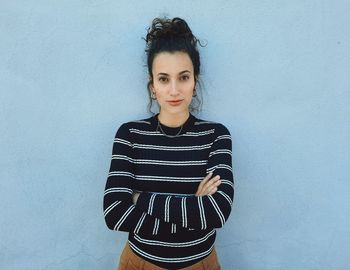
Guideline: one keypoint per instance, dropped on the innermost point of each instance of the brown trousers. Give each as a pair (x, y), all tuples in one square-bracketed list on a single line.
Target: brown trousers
[(130, 261)]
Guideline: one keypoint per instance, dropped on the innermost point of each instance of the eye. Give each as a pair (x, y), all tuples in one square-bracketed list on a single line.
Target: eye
[(185, 78), (163, 79)]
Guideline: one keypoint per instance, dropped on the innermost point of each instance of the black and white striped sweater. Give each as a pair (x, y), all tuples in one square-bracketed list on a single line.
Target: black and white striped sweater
[(169, 226)]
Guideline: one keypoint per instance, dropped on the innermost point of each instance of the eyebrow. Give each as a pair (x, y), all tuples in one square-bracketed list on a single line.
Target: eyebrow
[(162, 73)]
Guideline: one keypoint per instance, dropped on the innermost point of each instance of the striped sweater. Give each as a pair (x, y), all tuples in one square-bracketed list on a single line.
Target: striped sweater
[(169, 226)]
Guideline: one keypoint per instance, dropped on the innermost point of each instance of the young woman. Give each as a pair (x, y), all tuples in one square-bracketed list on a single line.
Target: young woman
[(170, 183)]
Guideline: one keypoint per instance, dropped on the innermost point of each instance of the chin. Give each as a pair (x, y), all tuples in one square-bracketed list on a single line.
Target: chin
[(177, 110)]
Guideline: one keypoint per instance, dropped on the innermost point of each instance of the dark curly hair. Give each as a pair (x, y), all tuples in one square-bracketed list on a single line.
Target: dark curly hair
[(172, 35)]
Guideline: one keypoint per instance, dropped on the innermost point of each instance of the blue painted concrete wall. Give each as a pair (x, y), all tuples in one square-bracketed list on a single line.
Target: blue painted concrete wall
[(277, 73)]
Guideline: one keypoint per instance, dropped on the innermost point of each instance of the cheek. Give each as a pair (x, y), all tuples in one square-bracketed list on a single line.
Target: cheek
[(190, 89)]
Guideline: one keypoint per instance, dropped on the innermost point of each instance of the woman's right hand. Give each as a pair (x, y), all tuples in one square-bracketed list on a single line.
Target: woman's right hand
[(209, 185)]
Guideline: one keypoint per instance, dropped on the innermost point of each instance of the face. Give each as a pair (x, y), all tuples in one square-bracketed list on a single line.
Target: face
[(173, 82)]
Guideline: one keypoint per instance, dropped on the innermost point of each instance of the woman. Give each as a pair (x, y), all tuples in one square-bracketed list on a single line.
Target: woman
[(170, 183)]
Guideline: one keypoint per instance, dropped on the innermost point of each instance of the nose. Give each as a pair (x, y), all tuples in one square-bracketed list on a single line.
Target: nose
[(174, 89)]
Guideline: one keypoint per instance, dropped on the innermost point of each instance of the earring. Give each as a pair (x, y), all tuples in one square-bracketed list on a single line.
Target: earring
[(153, 96), (194, 93)]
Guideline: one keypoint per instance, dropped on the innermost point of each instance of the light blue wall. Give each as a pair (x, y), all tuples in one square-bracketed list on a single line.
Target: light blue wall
[(277, 73)]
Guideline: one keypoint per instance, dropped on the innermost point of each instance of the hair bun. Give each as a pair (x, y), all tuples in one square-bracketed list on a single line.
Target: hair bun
[(166, 28)]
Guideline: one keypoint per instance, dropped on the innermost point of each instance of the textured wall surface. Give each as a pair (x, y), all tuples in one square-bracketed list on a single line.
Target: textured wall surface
[(276, 73)]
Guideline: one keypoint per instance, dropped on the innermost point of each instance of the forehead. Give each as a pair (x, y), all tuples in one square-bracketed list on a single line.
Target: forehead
[(172, 63)]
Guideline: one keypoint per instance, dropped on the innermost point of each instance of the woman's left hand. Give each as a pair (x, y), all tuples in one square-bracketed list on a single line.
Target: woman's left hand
[(209, 185)]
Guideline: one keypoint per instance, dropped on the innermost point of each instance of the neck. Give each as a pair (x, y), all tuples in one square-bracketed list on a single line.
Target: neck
[(173, 120)]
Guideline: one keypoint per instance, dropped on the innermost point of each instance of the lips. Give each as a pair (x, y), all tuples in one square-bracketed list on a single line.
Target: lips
[(175, 102)]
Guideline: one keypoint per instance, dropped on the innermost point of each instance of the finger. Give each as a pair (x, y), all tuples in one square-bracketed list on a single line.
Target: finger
[(203, 185), (205, 180), (212, 182), (213, 187), (213, 190), (209, 191)]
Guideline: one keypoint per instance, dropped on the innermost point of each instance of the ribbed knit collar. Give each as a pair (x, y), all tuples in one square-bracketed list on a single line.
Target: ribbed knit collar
[(174, 130)]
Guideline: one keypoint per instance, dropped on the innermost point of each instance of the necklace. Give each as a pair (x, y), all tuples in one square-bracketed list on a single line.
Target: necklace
[(167, 135)]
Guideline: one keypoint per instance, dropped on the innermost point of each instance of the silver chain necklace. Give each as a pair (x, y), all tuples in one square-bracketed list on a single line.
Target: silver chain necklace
[(170, 136)]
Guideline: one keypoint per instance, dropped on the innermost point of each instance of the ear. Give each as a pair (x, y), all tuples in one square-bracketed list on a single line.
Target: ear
[(150, 84), (195, 80)]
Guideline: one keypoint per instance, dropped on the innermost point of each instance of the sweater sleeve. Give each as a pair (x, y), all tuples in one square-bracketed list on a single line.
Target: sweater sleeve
[(202, 212), (119, 211)]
